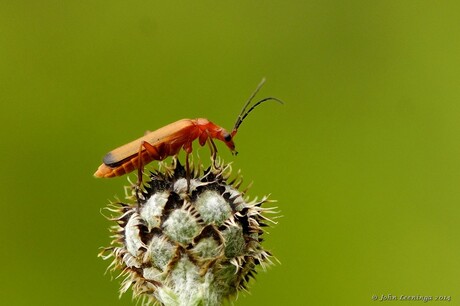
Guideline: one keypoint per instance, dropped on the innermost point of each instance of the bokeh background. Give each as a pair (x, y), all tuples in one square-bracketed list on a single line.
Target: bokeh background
[(363, 158)]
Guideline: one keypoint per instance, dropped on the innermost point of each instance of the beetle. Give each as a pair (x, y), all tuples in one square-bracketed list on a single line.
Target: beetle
[(170, 139)]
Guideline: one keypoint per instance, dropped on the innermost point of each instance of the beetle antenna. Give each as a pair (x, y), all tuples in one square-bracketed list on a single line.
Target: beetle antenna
[(243, 114)]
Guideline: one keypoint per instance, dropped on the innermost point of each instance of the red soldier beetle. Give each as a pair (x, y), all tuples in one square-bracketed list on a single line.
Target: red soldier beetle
[(170, 139)]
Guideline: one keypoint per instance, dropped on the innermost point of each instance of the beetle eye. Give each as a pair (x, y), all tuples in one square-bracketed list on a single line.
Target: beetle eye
[(228, 137)]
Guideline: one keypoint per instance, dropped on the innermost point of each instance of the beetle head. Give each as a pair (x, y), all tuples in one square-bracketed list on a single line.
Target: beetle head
[(227, 138)]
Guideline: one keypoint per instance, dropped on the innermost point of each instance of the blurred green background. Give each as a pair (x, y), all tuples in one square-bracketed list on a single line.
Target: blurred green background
[(363, 158)]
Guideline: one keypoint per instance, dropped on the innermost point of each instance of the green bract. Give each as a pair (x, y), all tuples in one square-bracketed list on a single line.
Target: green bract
[(180, 245)]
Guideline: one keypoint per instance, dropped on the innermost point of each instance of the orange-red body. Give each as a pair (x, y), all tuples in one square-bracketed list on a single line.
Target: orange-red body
[(159, 144), (169, 140)]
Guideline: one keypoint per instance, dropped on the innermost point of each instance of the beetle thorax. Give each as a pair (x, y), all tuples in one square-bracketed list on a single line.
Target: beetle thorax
[(202, 121)]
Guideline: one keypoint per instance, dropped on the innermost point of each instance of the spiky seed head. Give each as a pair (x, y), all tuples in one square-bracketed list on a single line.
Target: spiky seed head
[(180, 243)]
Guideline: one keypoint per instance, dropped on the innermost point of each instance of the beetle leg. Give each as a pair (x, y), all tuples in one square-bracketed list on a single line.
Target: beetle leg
[(188, 149), (156, 152), (140, 166), (187, 170), (213, 148), (203, 138)]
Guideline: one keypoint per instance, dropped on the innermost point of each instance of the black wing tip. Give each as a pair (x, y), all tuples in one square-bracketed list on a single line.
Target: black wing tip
[(109, 159)]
